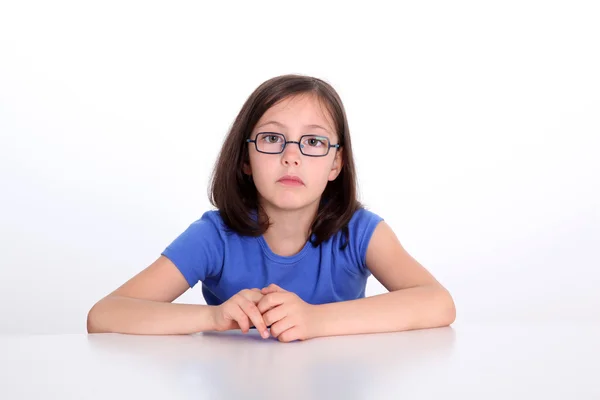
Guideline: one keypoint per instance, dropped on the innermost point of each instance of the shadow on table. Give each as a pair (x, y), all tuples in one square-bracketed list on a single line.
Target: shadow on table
[(231, 364)]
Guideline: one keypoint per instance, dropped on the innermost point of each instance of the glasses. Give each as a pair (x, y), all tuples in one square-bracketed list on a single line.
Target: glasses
[(310, 145)]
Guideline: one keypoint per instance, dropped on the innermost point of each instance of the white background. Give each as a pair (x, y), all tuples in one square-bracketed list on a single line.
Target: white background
[(475, 128)]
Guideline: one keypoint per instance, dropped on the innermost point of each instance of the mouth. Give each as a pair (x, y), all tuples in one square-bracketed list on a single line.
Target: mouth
[(290, 180)]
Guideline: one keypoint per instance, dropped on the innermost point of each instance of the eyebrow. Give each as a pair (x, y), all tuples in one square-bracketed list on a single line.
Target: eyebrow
[(311, 126)]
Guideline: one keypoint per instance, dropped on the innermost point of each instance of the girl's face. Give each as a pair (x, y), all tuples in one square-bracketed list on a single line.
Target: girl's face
[(293, 117)]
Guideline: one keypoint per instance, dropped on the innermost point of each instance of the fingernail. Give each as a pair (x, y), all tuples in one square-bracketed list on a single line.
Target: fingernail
[(265, 334)]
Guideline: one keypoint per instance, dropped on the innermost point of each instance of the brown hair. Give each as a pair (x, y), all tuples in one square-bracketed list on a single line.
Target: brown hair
[(233, 192)]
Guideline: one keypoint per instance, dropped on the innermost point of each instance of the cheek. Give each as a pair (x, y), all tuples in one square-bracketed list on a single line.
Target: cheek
[(263, 168), (319, 171)]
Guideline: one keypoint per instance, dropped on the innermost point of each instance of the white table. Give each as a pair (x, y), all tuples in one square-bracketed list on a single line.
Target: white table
[(559, 361)]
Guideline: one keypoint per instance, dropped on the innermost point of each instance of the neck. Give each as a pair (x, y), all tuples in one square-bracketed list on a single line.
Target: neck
[(289, 230)]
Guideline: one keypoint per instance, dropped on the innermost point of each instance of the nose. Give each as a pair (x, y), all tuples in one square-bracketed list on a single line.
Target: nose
[(291, 155)]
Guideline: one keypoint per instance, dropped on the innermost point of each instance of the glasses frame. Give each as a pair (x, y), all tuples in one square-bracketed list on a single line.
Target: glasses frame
[(285, 143)]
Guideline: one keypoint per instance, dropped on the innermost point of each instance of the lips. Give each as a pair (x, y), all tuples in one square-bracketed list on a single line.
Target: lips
[(290, 179)]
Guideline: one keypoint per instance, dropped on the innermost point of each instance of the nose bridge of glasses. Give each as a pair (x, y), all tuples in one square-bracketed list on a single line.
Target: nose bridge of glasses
[(294, 144)]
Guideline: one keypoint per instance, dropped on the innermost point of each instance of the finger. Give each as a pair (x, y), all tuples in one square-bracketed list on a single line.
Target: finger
[(281, 326), (275, 314), (267, 290), (272, 288), (270, 301), (290, 335), (255, 316), (254, 295), (240, 317)]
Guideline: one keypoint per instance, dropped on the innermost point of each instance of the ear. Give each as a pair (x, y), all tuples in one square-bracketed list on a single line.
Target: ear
[(246, 169), (338, 163)]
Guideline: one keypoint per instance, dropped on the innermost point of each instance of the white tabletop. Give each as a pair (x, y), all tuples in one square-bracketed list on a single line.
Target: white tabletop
[(559, 361)]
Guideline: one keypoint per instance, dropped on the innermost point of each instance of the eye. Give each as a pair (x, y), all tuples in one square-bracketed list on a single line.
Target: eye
[(272, 138), (315, 141)]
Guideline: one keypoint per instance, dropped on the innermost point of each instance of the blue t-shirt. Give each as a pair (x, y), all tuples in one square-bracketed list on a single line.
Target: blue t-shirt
[(226, 262)]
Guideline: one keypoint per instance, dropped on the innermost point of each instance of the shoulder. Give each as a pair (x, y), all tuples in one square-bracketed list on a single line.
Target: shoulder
[(198, 251), (363, 222), (209, 226), (361, 226), (212, 217), (210, 220)]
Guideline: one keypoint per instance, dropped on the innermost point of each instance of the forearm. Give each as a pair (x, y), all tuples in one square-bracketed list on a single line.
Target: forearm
[(401, 310), (134, 316)]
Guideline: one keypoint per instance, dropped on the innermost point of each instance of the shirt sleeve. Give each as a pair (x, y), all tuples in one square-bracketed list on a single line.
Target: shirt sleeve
[(198, 251), (361, 228)]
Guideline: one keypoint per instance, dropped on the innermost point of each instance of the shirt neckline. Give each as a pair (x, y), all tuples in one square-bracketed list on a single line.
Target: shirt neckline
[(283, 259)]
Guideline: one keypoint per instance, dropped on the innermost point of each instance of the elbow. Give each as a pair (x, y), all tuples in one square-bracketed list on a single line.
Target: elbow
[(93, 325), (448, 309)]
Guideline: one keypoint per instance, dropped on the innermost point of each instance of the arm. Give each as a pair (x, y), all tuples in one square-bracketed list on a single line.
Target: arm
[(415, 300), (143, 305), (414, 308)]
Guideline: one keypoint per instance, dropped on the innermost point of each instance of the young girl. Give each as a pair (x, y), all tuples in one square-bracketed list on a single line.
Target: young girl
[(289, 249)]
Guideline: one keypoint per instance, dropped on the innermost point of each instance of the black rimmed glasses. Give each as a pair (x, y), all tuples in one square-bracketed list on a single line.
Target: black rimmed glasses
[(310, 145)]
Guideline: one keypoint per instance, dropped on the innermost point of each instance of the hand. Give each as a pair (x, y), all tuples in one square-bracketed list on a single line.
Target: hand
[(239, 312), (288, 315)]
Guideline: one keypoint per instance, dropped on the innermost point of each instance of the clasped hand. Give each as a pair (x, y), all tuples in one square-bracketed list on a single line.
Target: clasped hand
[(289, 317)]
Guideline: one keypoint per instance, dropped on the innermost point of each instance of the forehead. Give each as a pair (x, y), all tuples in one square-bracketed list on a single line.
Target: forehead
[(305, 111)]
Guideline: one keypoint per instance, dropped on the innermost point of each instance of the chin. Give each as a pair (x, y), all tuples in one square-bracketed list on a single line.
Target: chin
[(289, 203)]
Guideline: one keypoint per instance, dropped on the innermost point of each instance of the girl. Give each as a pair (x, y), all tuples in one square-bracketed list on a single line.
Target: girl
[(289, 249)]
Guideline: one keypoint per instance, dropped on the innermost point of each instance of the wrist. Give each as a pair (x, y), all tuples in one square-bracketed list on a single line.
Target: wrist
[(209, 317), (318, 321)]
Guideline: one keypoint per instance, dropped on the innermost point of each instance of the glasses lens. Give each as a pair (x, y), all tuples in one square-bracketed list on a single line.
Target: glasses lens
[(270, 142), (314, 145)]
